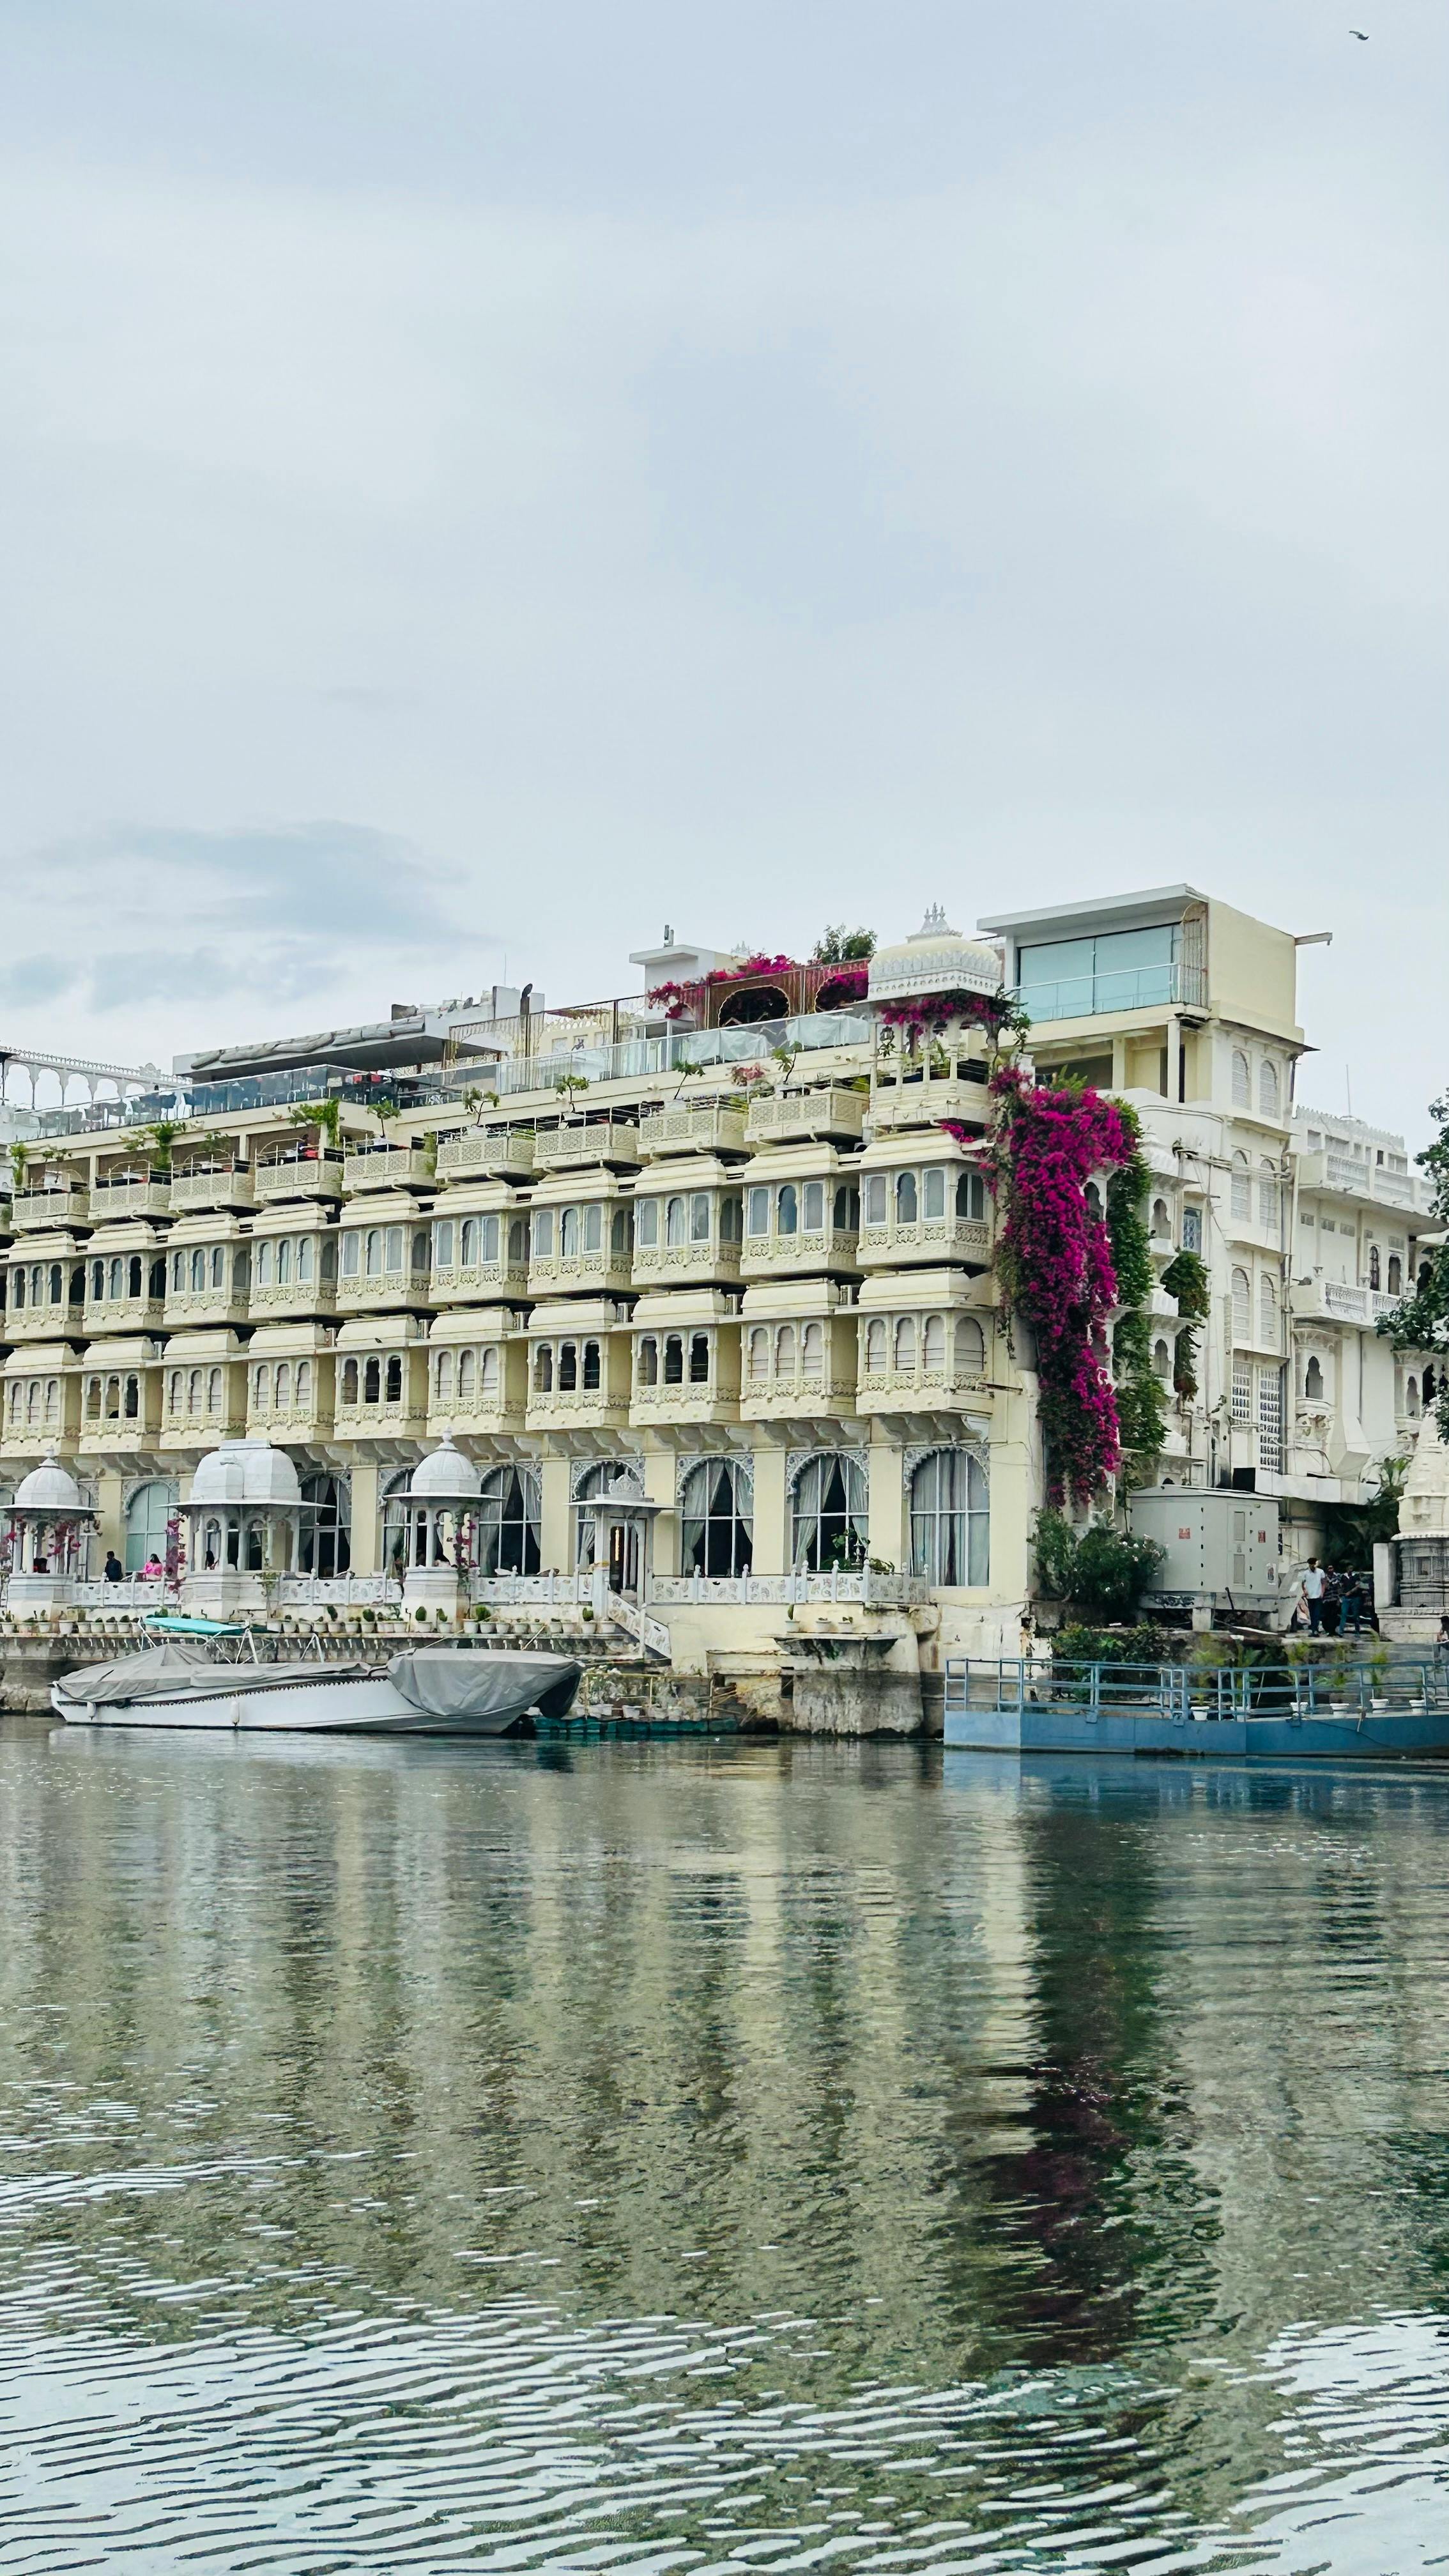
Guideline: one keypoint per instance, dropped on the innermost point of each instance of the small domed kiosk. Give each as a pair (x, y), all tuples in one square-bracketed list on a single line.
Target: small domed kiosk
[(937, 1003), (1420, 1553), (242, 1519), (441, 1503), (50, 1524)]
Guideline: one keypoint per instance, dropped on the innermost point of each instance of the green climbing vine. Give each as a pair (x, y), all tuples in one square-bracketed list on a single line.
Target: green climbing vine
[(1186, 1279), (1141, 1405)]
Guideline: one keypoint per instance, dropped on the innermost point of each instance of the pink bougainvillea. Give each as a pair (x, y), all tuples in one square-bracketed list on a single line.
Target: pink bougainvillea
[(993, 1011), (1055, 1264)]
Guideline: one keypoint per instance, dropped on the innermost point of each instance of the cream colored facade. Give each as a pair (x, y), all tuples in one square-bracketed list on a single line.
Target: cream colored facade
[(772, 1316)]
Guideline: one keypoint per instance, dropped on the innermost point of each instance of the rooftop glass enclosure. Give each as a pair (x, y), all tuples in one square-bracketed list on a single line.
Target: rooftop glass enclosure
[(1119, 970)]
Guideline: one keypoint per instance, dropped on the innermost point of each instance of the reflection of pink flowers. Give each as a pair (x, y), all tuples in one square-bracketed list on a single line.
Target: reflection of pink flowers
[(1055, 1264)]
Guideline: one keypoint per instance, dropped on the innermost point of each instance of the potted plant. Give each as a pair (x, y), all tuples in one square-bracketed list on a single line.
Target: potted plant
[(1340, 1688), (1379, 1677)]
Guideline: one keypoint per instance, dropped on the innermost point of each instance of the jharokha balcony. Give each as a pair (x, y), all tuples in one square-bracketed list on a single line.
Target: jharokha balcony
[(299, 1171), (46, 1206)]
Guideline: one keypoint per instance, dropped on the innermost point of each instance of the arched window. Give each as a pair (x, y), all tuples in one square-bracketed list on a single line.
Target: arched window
[(326, 1546), (543, 1234), (372, 1382), (906, 1199), (32, 1400), (731, 1217), (646, 1224), (1375, 1267), (785, 1353), (698, 1359), (1242, 1305), (1240, 1196), (1313, 1378), (467, 1242), (621, 1230), (173, 1392), (304, 1385), (812, 1207), (213, 1391), (905, 1354), (1411, 1399), (487, 1371), (284, 1262), (1396, 1275), (759, 1356), (970, 1196), (875, 1198), (443, 1243), (568, 1367), (648, 1360), (256, 1546), (543, 1369), (115, 1285), (1268, 1088), (306, 1258), (715, 1519), (593, 1217), (178, 1271), (1242, 1081), (1094, 1201), (787, 1209), (147, 1513), (933, 1343), (261, 1387), (757, 1212), (218, 1266), (970, 1348), (1267, 1312), (845, 1215), (1161, 1221), (349, 1381), (98, 1280), (284, 1387), (443, 1377), (468, 1374), (133, 1275), (198, 1270), (1268, 1196), (394, 1378), (828, 1514), (113, 1399), (194, 1391), (267, 1258), (875, 1346), (57, 1285), (673, 1359), (568, 1232), (1161, 1361), (374, 1253), (593, 1367), (812, 1354), (52, 1401), (508, 1521), (394, 1249), (93, 1399), (933, 1192), (950, 1519), (674, 1221)]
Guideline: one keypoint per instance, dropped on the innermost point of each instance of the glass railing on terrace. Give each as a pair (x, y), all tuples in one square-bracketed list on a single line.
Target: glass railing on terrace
[(1124, 988), (638, 1058)]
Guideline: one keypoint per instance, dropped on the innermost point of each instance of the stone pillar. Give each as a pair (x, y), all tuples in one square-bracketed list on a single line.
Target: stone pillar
[(366, 1537), (658, 1467), (771, 1533), (890, 1536), (555, 1537), (111, 1518)]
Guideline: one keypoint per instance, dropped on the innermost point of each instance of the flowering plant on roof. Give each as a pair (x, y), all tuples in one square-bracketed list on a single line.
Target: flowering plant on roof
[(757, 965), (674, 999), (1055, 1263), (937, 1011)]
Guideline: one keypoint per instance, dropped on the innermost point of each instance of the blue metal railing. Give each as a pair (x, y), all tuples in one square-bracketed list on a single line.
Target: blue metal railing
[(1179, 1692)]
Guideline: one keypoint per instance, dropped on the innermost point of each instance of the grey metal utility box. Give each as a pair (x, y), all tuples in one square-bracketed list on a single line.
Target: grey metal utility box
[(1217, 1542)]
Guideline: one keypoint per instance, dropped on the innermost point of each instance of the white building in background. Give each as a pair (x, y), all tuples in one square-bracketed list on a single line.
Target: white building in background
[(769, 1314)]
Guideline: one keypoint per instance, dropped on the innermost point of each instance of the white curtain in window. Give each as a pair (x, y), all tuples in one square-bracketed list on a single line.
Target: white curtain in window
[(950, 1519)]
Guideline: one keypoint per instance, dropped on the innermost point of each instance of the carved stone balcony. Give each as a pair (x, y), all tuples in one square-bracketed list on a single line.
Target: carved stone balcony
[(477, 1374), (796, 1256), (799, 1117), (387, 1167), (924, 1100), (226, 1185), (935, 1239), (693, 1127), (486, 1154), (582, 1143), (298, 1172), (42, 1211), (129, 1194)]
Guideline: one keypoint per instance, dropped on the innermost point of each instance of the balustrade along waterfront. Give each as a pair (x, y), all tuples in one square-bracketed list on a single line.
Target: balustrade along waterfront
[(749, 2154)]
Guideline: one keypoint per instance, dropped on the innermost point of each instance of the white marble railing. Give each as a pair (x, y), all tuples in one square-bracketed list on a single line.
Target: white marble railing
[(346, 1590), (873, 1591), (510, 1591), (636, 1623)]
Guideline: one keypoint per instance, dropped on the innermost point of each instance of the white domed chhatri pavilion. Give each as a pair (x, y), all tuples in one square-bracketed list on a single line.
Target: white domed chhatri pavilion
[(440, 1505), (51, 1520), (243, 1518)]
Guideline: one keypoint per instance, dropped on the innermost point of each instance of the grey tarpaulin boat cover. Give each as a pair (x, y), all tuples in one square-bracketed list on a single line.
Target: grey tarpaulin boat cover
[(439, 1681), (443, 1683), (179, 1671)]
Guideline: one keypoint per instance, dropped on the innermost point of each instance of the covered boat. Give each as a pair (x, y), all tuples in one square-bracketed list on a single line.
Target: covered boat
[(429, 1690)]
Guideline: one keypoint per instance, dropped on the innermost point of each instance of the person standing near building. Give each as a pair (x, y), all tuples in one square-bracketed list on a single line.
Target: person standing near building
[(1313, 1582)]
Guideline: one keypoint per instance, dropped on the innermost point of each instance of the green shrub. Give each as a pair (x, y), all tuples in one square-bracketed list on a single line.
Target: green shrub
[(1056, 1556), (1113, 1571)]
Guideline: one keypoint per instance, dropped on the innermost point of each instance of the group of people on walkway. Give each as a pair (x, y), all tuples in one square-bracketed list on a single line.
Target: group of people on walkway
[(1332, 1605)]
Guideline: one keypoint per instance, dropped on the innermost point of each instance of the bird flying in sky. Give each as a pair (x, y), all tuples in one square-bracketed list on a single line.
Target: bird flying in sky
[(1358, 31)]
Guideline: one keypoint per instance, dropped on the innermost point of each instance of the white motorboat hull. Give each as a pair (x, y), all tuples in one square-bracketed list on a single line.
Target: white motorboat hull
[(444, 1693)]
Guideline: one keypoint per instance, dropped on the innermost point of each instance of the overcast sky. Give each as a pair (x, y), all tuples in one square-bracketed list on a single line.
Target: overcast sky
[(481, 480)]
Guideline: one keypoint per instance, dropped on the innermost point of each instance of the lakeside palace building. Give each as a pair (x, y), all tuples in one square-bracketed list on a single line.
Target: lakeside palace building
[(681, 1306)]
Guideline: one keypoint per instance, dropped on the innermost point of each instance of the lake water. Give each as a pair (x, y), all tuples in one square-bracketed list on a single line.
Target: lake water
[(738, 2156)]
